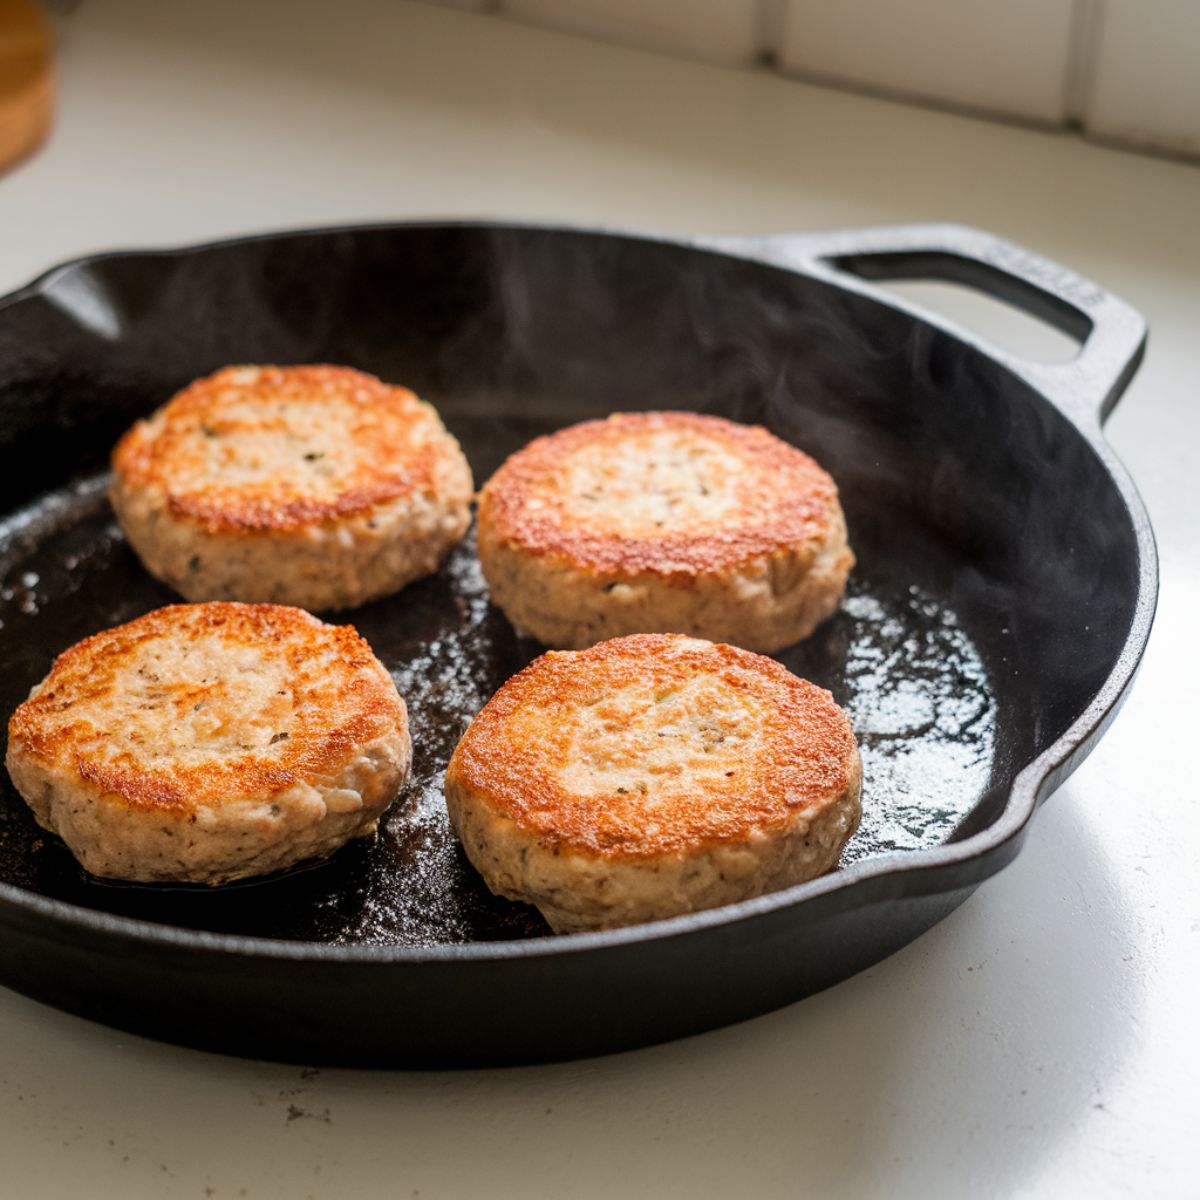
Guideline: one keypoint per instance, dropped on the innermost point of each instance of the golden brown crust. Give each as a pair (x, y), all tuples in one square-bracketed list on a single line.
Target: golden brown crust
[(781, 748), (270, 697), (775, 498), (265, 449)]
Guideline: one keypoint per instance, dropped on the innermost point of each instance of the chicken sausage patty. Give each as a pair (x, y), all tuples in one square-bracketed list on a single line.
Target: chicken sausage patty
[(663, 522), (314, 486), (204, 743), (649, 776)]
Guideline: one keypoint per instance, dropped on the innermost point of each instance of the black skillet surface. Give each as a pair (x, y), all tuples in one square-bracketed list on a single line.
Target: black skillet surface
[(1004, 595)]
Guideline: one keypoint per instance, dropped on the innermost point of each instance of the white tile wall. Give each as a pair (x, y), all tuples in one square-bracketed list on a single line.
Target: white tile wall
[(1129, 69), (726, 31), (1143, 77), (1005, 56)]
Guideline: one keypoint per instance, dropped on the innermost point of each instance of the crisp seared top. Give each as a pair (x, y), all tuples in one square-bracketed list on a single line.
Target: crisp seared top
[(197, 704), (275, 448), (655, 744), (667, 493)]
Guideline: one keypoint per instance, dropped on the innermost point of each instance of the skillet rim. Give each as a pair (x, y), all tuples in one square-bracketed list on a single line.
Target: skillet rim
[(897, 875)]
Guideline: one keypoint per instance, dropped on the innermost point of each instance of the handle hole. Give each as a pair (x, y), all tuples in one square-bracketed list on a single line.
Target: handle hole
[(1013, 313), (1002, 325)]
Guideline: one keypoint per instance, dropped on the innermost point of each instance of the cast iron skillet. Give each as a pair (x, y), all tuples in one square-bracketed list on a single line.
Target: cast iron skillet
[(1004, 595)]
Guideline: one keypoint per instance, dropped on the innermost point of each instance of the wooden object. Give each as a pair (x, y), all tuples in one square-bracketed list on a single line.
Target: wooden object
[(26, 79)]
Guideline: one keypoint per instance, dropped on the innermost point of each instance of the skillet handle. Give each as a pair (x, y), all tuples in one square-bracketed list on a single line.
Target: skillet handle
[(1112, 335)]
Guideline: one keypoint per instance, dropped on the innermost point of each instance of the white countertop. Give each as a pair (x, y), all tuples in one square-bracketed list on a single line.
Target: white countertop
[(1042, 1041)]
